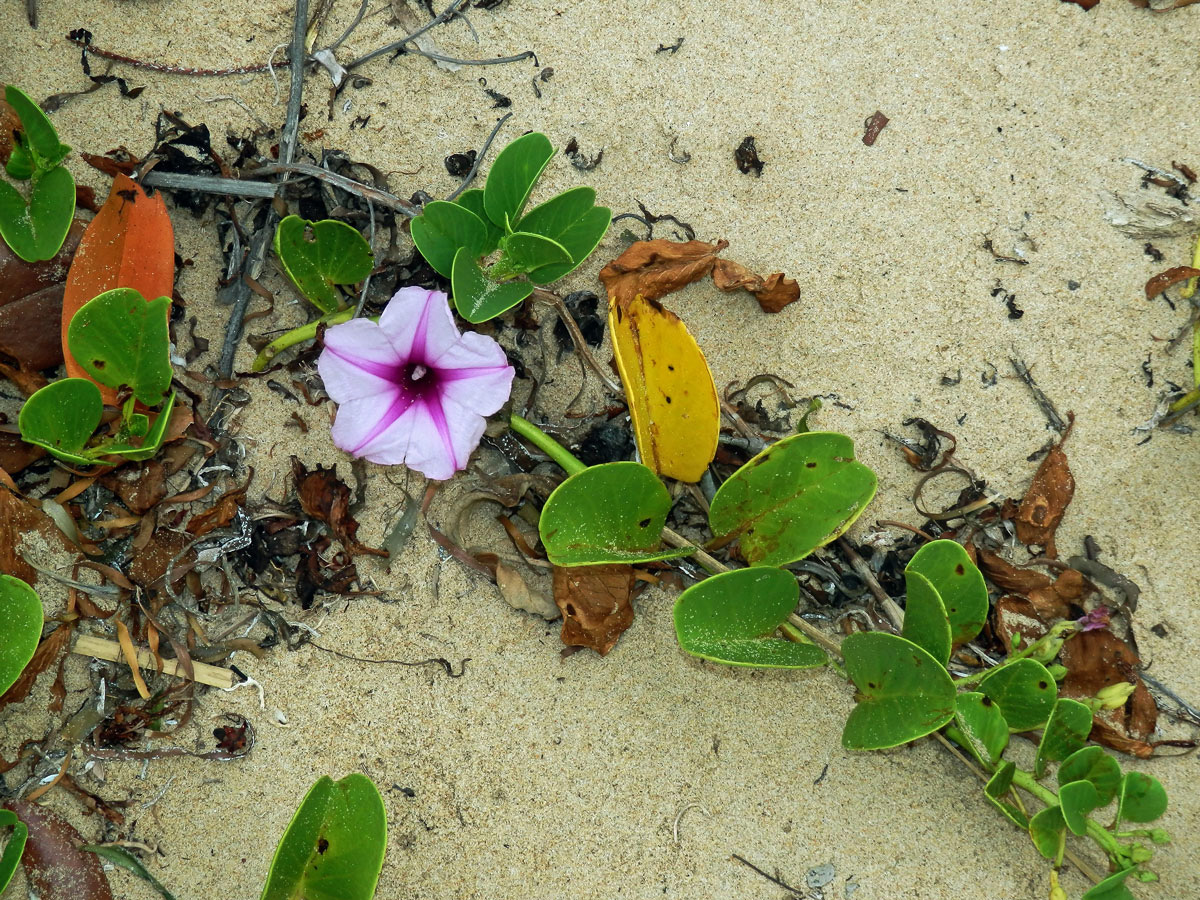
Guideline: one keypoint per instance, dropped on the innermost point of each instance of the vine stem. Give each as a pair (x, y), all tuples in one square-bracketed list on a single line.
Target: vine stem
[(305, 332)]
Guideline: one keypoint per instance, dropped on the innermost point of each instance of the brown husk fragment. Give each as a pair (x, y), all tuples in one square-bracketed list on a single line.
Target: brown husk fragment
[(325, 497), (773, 293), (1043, 506), (594, 601), (56, 869), (1169, 278)]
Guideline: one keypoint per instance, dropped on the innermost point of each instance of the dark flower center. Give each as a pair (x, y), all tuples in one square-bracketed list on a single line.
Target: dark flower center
[(418, 380)]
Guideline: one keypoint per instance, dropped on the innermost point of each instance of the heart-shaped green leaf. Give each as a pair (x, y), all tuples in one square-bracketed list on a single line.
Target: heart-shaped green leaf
[(1111, 888), (21, 613), (333, 848), (958, 582), (1025, 692), (1143, 798), (40, 138), (35, 229), (612, 513), (1048, 830), (1077, 799), (1094, 765), (1067, 731), (62, 417), (318, 255), (473, 200), (997, 787), (983, 726), (150, 443), (925, 622), (476, 297), (797, 495), (15, 847), (513, 175), (903, 693), (732, 617), (524, 252), (121, 339), (442, 228), (574, 221)]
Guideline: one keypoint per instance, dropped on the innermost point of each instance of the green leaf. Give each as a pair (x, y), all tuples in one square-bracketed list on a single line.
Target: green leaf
[(903, 693), (150, 444), (523, 252), (119, 856), (1025, 692), (1094, 765), (1143, 798), (476, 297), (732, 617), (925, 622), (442, 228), (797, 495), (21, 613), (513, 175), (318, 255), (473, 200), (62, 417), (574, 221), (121, 339), (35, 230), (1077, 799), (612, 513), (983, 725), (333, 848), (1048, 830), (997, 787), (1067, 731), (15, 847), (47, 150), (958, 582), (1111, 888)]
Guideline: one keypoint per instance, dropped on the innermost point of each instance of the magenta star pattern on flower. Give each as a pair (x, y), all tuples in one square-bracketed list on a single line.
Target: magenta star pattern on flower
[(411, 389)]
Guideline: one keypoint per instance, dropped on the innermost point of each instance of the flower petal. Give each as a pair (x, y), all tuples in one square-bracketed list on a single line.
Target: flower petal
[(475, 374), (419, 324), (358, 361), (369, 426), (444, 439)]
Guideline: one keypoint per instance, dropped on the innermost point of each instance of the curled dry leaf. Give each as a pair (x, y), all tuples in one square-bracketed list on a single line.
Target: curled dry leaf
[(518, 594), (595, 604), (151, 564), (773, 293), (56, 869), (1169, 278), (140, 488), (653, 269), (325, 497), (220, 513), (1008, 577), (1017, 615), (1046, 501), (1095, 660)]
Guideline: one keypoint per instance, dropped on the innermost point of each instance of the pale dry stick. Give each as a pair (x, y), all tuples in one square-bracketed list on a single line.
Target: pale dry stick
[(99, 648), (444, 16), (383, 198), (890, 607)]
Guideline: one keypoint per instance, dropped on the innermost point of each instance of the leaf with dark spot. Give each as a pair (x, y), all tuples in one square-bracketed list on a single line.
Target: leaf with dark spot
[(1046, 501), (595, 604)]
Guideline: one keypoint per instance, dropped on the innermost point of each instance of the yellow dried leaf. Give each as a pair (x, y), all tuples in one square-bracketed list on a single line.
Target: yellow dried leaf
[(670, 390)]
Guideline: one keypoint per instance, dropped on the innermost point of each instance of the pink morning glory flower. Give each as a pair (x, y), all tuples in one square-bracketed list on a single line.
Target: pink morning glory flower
[(411, 389)]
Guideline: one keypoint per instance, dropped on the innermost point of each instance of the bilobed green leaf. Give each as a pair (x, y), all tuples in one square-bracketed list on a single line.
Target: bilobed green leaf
[(1048, 830), (732, 618), (797, 495), (513, 175), (476, 297), (1111, 888), (1094, 765), (925, 622), (319, 255), (35, 229), (1025, 692), (442, 228), (333, 849), (1077, 799), (47, 150), (21, 613), (62, 417), (15, 847), (524, 252), (958, 582), (903, 692), (1067, 731), (574, 221), (983, 725), (997, 787), (1143, 798), (611, 513), (121, 339), (473, 200)]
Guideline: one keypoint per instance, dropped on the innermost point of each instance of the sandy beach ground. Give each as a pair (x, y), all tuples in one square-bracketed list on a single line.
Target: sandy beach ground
[(539, 777)]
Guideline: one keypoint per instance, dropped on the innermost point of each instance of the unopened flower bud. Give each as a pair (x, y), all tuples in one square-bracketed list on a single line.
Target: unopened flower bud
[(1115, 695), (1056, 891)]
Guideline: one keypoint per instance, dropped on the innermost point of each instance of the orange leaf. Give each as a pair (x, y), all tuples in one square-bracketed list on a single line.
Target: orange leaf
[(654, 269), (129, 244), (773, 293)]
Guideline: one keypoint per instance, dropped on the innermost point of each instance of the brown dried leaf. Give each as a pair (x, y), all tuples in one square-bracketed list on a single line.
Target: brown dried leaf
[(1017, 615), (595, 604), (1097, 659), (220, 513), (19, 517), (773, 293), (654, 269), (325, 497), (27, 329), (151, 564), (19, 278), (15, 454), (1169, 278), (878, 121), (55, 868), (1086, 4), (140, 488), (46, 654), (1053, 602), (1042, 508), (1010, 578), (28, 383), (517, 593)]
